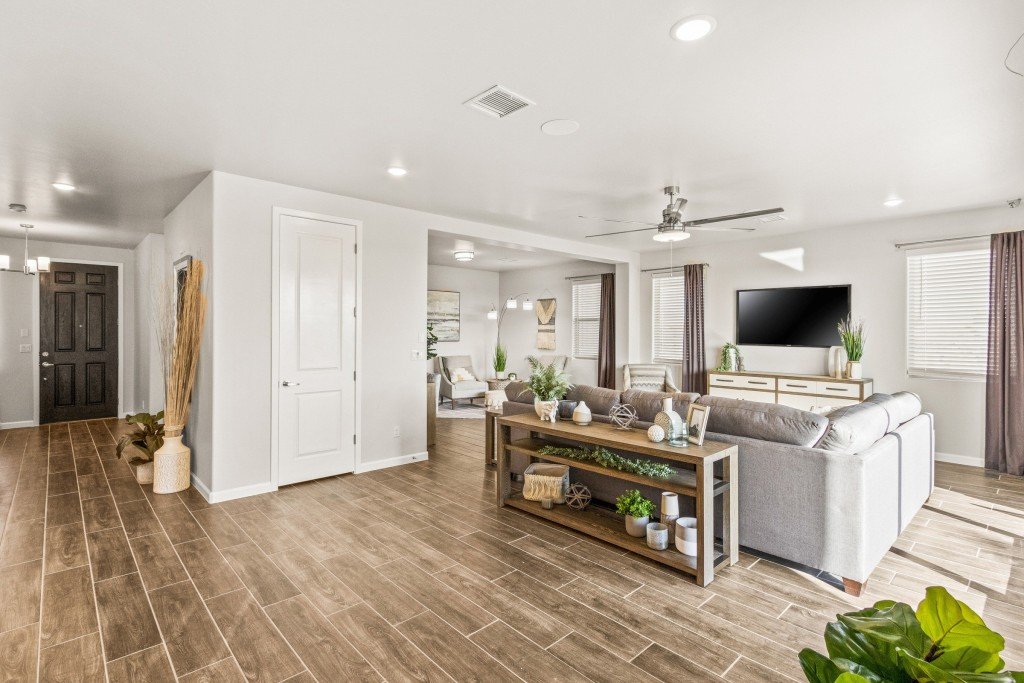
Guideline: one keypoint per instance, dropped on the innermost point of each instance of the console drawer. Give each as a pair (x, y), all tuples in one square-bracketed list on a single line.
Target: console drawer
[(839, 389), (743, 394), (808, 402), (798, 386), (743, 382)]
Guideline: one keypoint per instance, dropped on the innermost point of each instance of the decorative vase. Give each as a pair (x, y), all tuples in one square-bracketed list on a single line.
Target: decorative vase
[(566, 409), (686, 536), (655, 434), (836, 361), (669, 420), (854, 370), (143, 471), (582, 415), (171, 466), (669, 509), (636, 526), (501, 374), (546, 410), (657, 536)]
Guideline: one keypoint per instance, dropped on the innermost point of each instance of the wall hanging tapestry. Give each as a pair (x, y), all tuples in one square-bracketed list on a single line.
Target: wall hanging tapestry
[(443, 313), (546, 323)]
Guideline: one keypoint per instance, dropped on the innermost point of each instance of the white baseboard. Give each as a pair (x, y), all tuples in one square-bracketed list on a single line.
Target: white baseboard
[(390, 462), (230, 494), (17, 425), (960, 459)]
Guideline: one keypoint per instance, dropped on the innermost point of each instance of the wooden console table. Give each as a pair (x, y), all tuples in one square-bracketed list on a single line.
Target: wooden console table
[(699, 483)]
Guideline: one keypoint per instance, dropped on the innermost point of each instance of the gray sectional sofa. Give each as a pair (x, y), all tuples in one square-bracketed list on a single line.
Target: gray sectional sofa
[(831, 493)]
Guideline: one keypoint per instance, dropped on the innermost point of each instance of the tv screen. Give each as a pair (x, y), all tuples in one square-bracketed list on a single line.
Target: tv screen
[(791, 316)]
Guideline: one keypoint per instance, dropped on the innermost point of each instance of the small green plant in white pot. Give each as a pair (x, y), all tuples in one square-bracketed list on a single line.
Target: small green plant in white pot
[(500, 361), (549, 385), (637, 510), (851, 333)]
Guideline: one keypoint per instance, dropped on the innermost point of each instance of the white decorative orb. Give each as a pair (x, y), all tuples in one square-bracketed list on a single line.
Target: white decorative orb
[(656, 434)]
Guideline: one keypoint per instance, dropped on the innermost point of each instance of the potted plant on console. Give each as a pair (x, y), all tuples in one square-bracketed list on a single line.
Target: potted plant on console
[(637, 510), (852, 335), (500, 360), (549, 385), (147, 437)]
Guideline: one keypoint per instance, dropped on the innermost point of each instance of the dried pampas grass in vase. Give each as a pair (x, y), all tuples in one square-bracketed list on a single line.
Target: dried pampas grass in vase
[(179, 326)]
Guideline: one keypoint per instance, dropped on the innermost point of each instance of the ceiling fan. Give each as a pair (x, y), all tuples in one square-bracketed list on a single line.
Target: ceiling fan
[(673, 228)]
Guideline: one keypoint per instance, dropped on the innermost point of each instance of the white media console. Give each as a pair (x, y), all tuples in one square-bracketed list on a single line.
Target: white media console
[(798, 391)]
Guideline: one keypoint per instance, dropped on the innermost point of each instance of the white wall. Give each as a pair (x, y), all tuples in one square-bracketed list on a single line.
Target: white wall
[(188, 230), (16, 368), (26, 308), (150, 271), (519, 328), (478, 291), (865, 257)]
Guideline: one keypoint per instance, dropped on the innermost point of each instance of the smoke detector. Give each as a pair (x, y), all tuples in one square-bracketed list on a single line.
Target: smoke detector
[(772, 218), (498, 102), (17, 208)]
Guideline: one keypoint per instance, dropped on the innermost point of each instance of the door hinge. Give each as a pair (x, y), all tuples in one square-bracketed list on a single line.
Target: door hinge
[(353, 438), (354, 312), (353, 375), (355, 248)]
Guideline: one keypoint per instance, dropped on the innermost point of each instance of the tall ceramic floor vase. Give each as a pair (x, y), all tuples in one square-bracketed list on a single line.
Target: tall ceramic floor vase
[(171, 466)]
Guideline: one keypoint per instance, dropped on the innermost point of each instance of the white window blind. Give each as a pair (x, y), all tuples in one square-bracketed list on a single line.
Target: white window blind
[(586, 318), (667, 318), (947, 314)]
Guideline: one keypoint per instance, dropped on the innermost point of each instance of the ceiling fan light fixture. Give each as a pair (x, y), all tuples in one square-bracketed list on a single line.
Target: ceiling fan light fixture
[(694, 27), (671, 235)]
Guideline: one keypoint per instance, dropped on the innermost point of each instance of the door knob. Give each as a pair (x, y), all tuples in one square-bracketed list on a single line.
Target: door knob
[(46, 364), (289, 383)]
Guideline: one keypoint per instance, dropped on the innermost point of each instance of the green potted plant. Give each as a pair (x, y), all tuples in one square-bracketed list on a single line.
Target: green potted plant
[(943, 641), (500, 360), (637, 510), (851, 334), (431, 342), (146, 438), (549, 385)]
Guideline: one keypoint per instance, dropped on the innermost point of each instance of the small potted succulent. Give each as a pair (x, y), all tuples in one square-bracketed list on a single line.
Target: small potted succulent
[(549, 385), (637, 510), (147, 437)]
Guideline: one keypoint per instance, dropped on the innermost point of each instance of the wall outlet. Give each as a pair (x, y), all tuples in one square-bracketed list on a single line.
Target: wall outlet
[(24, 348), (398, 432), (24, 332), (417, 354)]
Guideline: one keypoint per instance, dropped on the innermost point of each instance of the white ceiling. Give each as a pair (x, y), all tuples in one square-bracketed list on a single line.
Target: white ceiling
[(488, 254), (824, 108)]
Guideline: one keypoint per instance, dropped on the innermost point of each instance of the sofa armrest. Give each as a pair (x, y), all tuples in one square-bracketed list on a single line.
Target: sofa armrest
[(446, 385)]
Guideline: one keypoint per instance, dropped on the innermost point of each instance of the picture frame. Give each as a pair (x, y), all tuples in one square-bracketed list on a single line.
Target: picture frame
[(697, 423), (444, 312)]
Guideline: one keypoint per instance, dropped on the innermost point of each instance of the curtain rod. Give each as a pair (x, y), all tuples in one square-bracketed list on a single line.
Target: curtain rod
[(584, 277), (901, 245), (670, 268)]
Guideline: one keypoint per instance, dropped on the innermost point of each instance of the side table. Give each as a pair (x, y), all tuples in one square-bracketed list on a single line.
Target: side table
[(496, 384), (491, 438)]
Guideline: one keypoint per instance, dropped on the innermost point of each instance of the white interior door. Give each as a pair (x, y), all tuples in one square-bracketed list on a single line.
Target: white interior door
[(316, 386)]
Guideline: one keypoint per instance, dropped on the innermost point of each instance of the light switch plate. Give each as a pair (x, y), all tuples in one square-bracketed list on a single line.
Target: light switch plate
[(24, 348), (24, 332), (417, 354)]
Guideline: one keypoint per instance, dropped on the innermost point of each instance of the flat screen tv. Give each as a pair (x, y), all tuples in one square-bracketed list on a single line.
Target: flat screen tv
[(791, 316)]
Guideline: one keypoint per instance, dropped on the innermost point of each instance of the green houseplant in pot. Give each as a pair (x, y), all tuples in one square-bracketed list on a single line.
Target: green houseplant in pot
[(943, 641), (500, 361), (637, 510), (851, 334), (145, 439), (549, 385)]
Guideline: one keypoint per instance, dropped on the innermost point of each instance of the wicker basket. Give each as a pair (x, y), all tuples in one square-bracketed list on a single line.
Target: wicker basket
[(544, 480)]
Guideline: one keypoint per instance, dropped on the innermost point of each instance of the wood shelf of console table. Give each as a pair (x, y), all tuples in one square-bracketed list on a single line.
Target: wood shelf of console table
[(700, 483)]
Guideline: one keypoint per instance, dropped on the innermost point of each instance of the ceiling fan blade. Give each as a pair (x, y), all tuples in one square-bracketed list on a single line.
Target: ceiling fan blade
[(615, 220), (732, 217), (623, 232), (720, 228)]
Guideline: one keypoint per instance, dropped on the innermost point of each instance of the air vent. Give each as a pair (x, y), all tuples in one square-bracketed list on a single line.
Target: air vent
[(772, 218), (498, 102)]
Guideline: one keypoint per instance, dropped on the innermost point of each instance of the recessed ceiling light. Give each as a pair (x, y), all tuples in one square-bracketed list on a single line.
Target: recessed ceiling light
[(397, 171), (464, 255), (694, 28), (671, 236), (64, 187), (560, 127), (893, 202)]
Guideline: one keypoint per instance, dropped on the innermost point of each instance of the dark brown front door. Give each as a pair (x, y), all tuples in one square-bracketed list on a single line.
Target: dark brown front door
[(77, 342)]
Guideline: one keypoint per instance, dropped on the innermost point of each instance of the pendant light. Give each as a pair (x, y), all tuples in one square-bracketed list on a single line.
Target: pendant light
[(32, 266)]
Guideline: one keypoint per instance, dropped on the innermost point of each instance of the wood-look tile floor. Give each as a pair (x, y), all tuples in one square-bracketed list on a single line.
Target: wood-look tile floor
[(412, 574)]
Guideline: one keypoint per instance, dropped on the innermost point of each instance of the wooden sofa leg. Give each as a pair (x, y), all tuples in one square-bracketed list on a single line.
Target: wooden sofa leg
[(852, 587)]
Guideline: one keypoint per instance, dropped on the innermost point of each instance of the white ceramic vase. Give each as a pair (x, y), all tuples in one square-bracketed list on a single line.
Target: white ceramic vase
[(546, 410), (143, 471), (636, 526), (686, 536), (854, 370), (582, 414), (171, 466), (669, 420), (657, 536)]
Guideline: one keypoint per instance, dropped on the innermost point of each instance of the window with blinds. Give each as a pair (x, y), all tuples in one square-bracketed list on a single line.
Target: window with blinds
[(667, 318), (947, 314), (586, 318)]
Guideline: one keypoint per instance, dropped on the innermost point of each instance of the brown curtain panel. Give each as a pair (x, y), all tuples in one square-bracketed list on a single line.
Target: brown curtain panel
[(606, 334), (694, 375), (1004, 395)]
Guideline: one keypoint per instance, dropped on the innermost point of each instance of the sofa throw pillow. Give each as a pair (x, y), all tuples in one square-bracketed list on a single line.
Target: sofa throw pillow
[(462, 375)]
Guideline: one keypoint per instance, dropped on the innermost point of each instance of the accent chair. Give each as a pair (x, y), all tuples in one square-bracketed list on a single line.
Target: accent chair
[(648, 377), (454, 389)]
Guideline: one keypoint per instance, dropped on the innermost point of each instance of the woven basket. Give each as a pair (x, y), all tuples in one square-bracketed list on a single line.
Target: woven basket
[(544, 480)]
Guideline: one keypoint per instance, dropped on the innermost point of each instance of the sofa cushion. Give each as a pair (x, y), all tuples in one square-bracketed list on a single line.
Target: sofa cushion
[(765, 421), (461, 374), (449, 363), (852, 429), (518, 392), (901, 407), (648, 403), (598, 399)]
